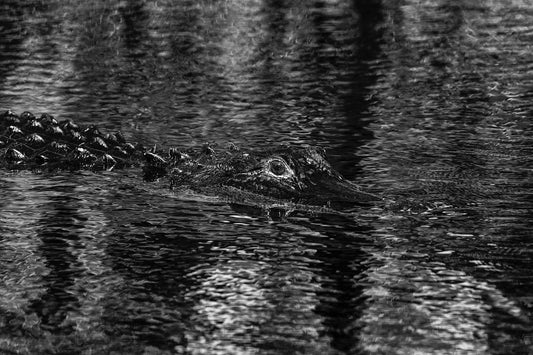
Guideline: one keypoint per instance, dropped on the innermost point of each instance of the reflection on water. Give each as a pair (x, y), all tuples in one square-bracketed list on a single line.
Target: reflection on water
[(426, 103)]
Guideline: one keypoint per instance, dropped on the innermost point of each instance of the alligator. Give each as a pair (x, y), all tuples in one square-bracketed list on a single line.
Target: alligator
[(295, 174)]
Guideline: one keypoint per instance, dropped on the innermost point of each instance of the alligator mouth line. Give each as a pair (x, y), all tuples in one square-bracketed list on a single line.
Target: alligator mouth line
[(344, 192), (237, 196)]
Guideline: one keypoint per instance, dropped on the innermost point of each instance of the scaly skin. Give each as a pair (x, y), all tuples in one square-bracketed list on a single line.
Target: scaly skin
[(300, 175), (28, 142)]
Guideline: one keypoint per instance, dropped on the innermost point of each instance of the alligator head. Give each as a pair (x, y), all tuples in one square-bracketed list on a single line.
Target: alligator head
[(300, 175)]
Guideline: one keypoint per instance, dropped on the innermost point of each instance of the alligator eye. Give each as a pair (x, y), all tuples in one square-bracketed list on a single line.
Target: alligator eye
[(277, 167)]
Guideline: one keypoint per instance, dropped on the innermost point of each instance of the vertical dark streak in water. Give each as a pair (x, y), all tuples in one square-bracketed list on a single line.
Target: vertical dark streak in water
[(271, 77), (6, 196), (12, 35), (137, 49), (365, 47), (104, 71), (189, 53), (15, 29), (276, 11), (149, 276), (342, 258), (197, 81), (343, 264), (135, 29), (60, 232)]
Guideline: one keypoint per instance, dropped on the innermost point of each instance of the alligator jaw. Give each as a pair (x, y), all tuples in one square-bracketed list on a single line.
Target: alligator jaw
[(334, 196), (337, 192)]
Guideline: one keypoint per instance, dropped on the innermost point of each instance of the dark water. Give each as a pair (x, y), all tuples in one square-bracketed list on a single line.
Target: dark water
[(429, 104)]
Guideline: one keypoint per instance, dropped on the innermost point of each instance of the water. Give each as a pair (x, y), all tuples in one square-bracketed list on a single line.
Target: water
[(428, 104)]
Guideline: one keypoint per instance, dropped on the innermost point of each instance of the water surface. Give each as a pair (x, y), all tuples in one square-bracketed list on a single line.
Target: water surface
[(428, 104)]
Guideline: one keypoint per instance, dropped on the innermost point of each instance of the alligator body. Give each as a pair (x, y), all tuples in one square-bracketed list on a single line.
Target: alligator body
[(297, 174)]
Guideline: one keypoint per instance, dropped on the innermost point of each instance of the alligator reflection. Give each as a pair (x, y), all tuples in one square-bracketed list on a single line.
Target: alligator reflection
[(239, 283), (13, 36), (60, 236)]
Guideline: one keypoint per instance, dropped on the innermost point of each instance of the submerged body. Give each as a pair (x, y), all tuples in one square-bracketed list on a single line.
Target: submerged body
[(297, 174)]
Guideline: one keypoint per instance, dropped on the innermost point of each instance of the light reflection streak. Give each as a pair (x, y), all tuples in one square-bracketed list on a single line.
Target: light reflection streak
[(243, 305)]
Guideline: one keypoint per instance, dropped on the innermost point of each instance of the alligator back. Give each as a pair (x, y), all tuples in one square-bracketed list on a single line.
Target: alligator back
[(43, 143)]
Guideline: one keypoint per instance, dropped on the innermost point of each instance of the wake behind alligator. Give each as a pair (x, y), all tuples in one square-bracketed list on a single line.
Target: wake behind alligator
[(299, 175)]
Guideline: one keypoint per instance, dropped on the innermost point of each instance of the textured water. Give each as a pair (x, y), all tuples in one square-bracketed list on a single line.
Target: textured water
[(427, 103)]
